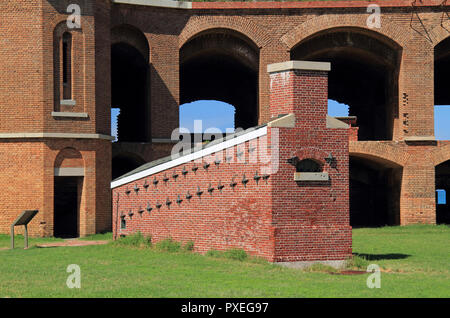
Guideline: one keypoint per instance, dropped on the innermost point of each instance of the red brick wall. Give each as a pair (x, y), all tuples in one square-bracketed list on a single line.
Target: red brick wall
[(27, 85), (277, 27), (278, 219), (353, 134), (238, 217), (27, 177), (28, 95), (311, 218)]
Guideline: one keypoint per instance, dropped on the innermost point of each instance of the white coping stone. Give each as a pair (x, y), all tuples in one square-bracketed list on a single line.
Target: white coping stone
[(311, 176), (70, 115), (335, 123), (299, 65), (420, 138), (69, 172), (287, 121), (158, 3), (54, 135), (68, 102), (192, 156)]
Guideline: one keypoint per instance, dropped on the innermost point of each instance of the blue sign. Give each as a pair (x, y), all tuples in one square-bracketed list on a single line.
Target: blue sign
[(441, 198)]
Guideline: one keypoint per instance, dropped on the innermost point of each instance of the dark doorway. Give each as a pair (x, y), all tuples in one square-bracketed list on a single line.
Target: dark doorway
[(442, 176), (129, 92), (375, 186), (66, 206)]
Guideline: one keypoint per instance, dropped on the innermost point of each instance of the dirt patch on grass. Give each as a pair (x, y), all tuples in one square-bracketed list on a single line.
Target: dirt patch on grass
[(73, 243), (349, 272)]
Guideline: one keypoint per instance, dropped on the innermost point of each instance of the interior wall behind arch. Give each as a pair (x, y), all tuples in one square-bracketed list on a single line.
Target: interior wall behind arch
[(374, 193)]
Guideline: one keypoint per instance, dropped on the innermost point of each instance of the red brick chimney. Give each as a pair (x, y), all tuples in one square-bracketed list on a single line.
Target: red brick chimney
[(301, 88)]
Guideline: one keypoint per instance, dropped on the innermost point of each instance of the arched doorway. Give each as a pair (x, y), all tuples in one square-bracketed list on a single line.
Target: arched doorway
[(130, 83), (364, 75), (68, 190), (375, 186)]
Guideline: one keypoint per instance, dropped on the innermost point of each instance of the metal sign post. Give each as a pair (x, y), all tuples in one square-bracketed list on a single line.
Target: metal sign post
[(23, 219)]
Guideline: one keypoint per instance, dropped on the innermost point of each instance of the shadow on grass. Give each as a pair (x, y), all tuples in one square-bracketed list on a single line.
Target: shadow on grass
[(378, 257)]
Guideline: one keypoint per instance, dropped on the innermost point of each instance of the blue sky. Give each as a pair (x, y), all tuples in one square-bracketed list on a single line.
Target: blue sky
[(221, 115), (442, 122), (114, 113)]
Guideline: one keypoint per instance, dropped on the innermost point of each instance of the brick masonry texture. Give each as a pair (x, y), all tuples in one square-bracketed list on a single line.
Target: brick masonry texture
[(279, 219), (30, 35)]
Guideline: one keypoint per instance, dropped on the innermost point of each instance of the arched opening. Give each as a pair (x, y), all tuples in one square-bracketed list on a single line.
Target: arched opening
[(441, 89), (375, 186), (130, 84), (124, 163), (222, 65), (306, 165), (442, 177), (364, 76)]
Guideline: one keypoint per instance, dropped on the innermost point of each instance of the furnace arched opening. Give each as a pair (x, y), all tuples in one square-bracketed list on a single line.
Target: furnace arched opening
[(364, 72), (130, 83), (222, 65), (375, 186)]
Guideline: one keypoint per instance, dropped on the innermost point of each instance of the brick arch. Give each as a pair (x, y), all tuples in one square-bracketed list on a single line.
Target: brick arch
[(133, 36), (59, 24), (442, 153), (198, 24), (378, 151), (141, 150), (313, 153), (69, 158), (389, 30), (440, 32)]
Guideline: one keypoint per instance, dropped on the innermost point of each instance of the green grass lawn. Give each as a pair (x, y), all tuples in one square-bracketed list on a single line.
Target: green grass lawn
[(414, 262)]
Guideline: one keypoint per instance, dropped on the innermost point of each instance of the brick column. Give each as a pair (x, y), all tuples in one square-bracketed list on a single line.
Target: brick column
[(310, 208), (300, 88), (416, 90), (269, 54), (164, 86), (417, 201)]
